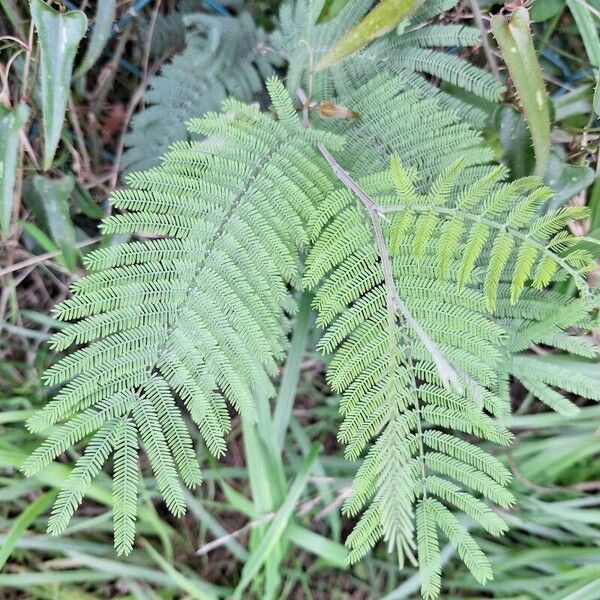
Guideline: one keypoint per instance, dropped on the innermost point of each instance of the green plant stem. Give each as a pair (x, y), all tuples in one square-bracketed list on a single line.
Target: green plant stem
[(291, 372), (516, 46)]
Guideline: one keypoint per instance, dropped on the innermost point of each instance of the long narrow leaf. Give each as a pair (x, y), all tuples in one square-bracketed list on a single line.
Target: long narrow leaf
[(11, 121), (59, 35), (588, 28), (105, 15), (279, 522), (381, 20), (22, 522)]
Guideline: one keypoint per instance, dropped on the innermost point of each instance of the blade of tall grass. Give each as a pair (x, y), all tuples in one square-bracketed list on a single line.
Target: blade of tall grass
[(278, 524), (22, 522)]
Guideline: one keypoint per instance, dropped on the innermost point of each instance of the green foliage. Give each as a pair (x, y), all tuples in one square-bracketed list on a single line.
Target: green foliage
[(59, 35), (200, 314), (429, 277), (502, 216), (224, 56), (378, 366), (411, 53)]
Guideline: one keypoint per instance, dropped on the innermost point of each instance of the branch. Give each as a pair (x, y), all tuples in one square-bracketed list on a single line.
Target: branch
[(447, 372), (485, 44)]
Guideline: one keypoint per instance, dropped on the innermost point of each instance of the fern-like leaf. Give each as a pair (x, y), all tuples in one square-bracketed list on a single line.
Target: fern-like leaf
[(223, 56), (492, 224), (394, 400), (198, 315), (125, 485), (410, 53)]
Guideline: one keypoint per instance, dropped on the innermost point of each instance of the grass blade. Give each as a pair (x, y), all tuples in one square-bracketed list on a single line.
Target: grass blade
[(291, 372), (279, 523), (330, 551), (191, 587), (105, 15), (22, 522), (588, 28)]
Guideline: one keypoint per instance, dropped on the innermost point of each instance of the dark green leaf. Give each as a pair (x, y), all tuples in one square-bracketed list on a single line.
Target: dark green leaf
[(567, 180), (59, 35), (516, 141), (105, 15), (84, 200), (49, 199)]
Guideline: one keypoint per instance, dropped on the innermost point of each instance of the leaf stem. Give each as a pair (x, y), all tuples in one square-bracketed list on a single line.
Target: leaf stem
[(447, 372)]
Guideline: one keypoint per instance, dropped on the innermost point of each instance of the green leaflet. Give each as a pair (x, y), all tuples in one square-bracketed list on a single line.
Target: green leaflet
[(568, 180), (515, 138), (11, 122), (383, 18), (514, 40), (489, 210), (59, 35)]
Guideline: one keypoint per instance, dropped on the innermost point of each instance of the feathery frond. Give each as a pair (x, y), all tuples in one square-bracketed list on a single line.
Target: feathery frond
[(429, 283), (198, 316), (223, 57), (394, 400), (490, 224)]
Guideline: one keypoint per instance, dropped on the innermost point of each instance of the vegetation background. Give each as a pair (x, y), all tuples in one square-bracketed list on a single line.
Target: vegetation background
[(51, 219)]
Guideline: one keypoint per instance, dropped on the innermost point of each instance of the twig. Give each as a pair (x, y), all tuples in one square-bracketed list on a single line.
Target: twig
[(35, 260), (334, 504), (210, 546), (448, 374), (301, 509), (491, 59), (85, 157)]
